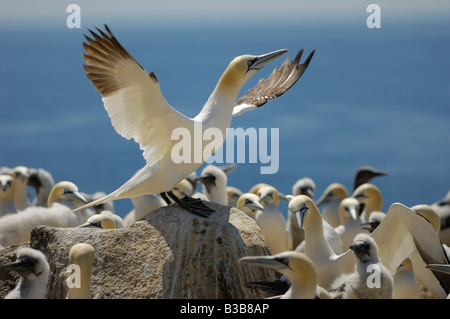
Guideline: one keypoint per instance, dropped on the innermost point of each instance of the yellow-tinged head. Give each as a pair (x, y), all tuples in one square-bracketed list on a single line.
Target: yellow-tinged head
[(243, 67), (65, 191), (348, 209), (430, 214), (249, 204), (268, 195)]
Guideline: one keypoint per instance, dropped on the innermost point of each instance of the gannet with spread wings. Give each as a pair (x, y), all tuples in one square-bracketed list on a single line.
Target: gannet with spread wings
[(137, 109)]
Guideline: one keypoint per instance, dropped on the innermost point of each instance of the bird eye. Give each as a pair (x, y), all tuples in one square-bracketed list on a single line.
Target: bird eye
[(250, 63)]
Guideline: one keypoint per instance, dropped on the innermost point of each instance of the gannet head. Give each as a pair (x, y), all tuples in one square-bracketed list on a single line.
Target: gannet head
[(290, 263), (268, 195), (66, 191), (6, 183), (183, 188), (249, 204), (348, 208), (304, 186), (233, 195), (368, 194), (213, 177), (334, 191), (30, 263), (430, 214), (99, 221), (375, 218), (299, 206), (82, 254), (21, 173), (364, 247), (243, 67)]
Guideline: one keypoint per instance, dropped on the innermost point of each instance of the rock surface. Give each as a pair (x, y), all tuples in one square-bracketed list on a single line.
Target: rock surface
[(169, 254)]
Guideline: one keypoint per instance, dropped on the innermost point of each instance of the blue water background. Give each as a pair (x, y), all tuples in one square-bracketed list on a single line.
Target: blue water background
[(376, 97)]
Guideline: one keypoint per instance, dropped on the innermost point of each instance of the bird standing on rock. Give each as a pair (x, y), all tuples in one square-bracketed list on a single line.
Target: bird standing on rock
[(137, 109)]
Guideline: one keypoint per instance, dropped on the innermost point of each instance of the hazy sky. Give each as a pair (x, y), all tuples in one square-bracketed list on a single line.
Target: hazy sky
[(207, 11)]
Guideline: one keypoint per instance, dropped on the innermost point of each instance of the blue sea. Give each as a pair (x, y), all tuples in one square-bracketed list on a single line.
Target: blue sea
[(378, 97)]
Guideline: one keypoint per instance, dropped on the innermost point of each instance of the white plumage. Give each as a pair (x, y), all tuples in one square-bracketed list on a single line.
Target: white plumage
[(137, 109), (16, 228), (370, 280)]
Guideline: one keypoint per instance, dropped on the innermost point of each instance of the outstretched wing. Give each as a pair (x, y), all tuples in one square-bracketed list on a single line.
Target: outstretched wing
[(131, 96), (280, 80), (403, 231)]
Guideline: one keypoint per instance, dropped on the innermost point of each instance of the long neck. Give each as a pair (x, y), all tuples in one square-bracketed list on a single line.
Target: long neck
[(223, 98), (314, 235), (20, 195)]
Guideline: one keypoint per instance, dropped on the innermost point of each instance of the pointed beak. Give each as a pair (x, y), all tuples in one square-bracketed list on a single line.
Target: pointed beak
[(266, 261), (325, 198), (89, 225), (352, 212), (370, 226), (301, 214), (255, 206), (77, 198), (18, 266), (262, 60)]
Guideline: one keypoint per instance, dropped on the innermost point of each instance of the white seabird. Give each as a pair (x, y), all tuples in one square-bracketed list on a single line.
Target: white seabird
[(233, 194), (20, 175), (370, 199), (272, 221), (298, 268), (331, 199), (214, 181), (103, 220), (138, 110), (16, 228), (33, 268), (249, 204), (350, 221), (42, 182), (81, 254), (370, 280), (7, 204), (303, 186)]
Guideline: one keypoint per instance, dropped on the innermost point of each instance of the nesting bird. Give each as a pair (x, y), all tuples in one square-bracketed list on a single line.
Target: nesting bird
[(33, 268), (16, 228), (7, 204), (331, 199), (103, 220), (137, 109), (249, 204), (21, 175), (214, 182), (272, 222), (370, 280)]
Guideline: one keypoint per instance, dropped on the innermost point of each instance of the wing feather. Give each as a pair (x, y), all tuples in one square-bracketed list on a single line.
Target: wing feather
[(403, 231), (280, 80), (131, 96)]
